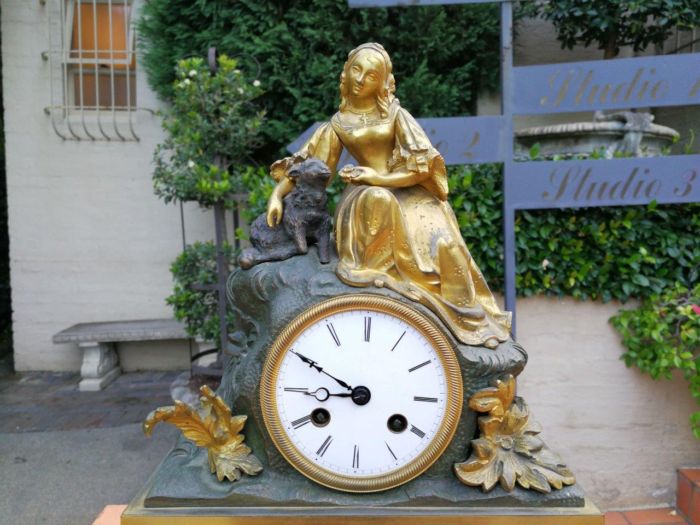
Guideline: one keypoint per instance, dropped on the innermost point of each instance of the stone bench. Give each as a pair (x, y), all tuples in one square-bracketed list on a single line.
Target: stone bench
[(97, 342)]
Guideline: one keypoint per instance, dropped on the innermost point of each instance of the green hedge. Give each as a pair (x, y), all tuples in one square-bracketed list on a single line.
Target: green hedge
[(443, 55), (596, 253)]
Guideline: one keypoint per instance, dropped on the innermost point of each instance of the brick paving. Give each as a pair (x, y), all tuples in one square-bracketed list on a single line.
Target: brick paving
[(663, 516)]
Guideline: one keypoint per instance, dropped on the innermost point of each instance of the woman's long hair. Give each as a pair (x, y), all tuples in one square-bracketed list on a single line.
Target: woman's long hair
[(385, 96)]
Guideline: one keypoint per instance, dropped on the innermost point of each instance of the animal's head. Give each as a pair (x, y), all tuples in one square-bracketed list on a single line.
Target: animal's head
[(310, 173)]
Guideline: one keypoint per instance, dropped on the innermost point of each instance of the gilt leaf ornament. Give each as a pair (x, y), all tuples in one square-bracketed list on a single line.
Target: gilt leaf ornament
[(508, 450), (213, 428)]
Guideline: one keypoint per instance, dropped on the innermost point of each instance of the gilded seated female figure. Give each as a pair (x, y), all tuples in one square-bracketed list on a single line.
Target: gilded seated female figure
[(394, 226)]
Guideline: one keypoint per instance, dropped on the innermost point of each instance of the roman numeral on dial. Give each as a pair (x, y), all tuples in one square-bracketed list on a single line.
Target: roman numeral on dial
[(356, 457), (417, 431), (324, 446), (413, 369), (334, 335), (426, 399), (368, 328), (298, 423), (398, 341)]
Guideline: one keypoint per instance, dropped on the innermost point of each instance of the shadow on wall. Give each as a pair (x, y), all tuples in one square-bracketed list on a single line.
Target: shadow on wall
[(5, 302)]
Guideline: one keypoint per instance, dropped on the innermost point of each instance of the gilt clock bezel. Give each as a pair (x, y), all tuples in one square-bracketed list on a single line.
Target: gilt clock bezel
[(394, 478)]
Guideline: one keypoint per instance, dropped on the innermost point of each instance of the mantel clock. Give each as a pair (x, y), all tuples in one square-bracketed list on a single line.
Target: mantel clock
[(361, 393)]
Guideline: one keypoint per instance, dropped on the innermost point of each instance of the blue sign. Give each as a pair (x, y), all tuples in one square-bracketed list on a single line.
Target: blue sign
[(624, 83), (615, 182), (461, 140)]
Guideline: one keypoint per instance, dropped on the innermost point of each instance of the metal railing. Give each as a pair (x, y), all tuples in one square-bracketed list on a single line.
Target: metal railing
[(92, 69)]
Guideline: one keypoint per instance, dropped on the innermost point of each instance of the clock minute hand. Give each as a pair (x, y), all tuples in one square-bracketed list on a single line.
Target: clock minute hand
[(314, 364), (310, 362)]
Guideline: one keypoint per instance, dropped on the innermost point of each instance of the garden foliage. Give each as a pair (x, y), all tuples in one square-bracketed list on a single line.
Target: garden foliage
[(588, 253), (211, 126), (611, 25), (443, 55), (194, 298), (663, 335)]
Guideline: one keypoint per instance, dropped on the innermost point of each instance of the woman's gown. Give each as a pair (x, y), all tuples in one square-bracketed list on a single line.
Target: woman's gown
[(404, 238)]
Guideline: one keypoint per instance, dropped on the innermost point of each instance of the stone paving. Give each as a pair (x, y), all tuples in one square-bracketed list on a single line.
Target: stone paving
[(46, 401), (65, 454)]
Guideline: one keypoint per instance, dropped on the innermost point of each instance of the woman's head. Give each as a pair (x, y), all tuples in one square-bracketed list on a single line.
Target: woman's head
[(368, 67)]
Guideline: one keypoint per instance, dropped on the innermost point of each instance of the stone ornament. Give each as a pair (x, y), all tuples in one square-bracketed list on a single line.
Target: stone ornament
[(508, 450), (216, 430)]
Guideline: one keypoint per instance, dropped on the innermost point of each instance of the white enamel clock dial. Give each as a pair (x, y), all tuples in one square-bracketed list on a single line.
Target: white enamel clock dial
[(361, 393)]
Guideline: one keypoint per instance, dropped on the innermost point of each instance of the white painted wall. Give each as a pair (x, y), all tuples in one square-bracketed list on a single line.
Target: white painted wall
[(622, 433), (88, 239)]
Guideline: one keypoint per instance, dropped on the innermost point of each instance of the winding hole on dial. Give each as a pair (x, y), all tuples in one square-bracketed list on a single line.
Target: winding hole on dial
[(397, 423), (320, 417)]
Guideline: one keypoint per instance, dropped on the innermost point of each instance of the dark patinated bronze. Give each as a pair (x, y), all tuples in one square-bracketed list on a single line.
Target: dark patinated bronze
[(305, 219)]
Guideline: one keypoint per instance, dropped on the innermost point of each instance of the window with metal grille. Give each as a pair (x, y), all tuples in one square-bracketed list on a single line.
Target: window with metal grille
[(93, 69), (101, 62)]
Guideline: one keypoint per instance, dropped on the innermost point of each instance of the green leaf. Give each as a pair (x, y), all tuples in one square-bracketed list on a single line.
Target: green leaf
[(641, 280)]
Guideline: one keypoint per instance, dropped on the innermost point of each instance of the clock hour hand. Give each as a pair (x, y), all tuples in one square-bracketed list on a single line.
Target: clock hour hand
[(339, 381), (321, 394), (314, 364)]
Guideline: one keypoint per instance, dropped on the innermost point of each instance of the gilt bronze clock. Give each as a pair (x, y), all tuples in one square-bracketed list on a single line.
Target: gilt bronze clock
[(349, 364), (361, 393)]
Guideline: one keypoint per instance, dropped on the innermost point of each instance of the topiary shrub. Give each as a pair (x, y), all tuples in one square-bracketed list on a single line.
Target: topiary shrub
[(211, 125), (194, 304)]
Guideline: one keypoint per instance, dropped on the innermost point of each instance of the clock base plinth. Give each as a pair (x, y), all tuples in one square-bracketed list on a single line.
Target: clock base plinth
[(137, 514), (183, 480)]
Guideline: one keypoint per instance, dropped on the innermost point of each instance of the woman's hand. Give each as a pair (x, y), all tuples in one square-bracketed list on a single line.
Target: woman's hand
[(275, 206), (358, 175), (274, 210)]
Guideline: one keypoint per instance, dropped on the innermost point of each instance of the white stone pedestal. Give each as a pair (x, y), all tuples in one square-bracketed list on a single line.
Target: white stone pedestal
[(100, 366)]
